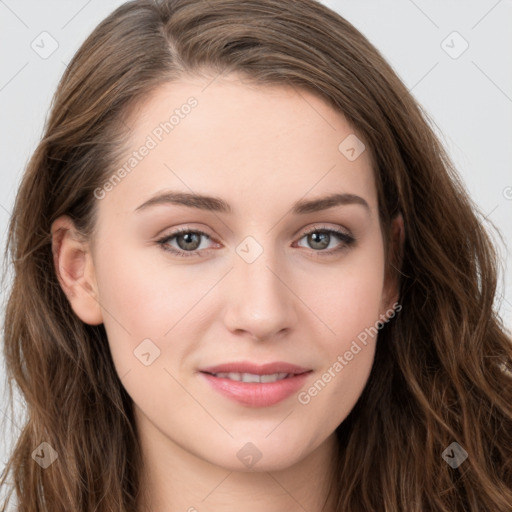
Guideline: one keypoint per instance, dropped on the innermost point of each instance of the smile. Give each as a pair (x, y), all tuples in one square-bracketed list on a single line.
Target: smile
[(252, 377), (254, 385)]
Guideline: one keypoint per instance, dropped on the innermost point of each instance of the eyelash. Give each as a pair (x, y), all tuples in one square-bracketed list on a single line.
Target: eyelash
[(346, 239)]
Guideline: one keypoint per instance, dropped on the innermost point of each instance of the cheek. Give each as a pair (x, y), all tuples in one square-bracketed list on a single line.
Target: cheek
[(133, 305), (350, 305), (347, 356), (349, 297), (142, 300), (129, 296)]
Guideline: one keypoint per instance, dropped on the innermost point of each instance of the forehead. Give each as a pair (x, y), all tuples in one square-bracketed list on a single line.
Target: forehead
[(245, 142)]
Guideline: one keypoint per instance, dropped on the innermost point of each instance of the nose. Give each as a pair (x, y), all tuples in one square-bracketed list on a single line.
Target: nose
[(260, 301)]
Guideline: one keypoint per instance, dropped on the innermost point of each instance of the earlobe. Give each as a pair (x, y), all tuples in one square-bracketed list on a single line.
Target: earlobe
[(74, 267)]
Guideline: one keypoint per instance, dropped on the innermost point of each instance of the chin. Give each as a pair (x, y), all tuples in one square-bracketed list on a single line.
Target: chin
[(258, 454)]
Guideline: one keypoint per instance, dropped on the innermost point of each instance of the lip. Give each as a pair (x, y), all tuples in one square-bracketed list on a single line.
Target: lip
[(261, 369), (256, 394)]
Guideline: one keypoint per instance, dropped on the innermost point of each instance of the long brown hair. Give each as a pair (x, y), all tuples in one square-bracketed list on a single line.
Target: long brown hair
[(442, 367)]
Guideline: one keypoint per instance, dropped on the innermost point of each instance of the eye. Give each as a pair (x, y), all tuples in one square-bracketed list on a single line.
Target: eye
[(327, 240), (189, 242)]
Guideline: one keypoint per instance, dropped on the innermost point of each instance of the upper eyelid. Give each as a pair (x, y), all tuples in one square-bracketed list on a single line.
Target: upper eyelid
[(319, 227)]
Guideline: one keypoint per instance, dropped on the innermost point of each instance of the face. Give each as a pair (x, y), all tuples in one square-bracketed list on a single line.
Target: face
[(238, 302)]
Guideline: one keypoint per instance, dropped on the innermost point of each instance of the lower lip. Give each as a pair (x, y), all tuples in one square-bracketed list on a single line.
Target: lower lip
[(257, 394)]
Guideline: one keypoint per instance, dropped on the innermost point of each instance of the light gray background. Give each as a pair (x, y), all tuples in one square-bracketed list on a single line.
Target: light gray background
[(469, 97)]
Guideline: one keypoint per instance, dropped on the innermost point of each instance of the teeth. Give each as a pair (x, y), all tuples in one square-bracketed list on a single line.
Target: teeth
[(247, 377), (251, 377), (273, 378)]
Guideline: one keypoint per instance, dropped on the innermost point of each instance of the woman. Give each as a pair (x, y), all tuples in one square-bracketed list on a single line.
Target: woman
[(246, 273)]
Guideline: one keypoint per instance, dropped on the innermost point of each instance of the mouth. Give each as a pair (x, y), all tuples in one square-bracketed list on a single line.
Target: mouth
[(252, 377), (256, 385)]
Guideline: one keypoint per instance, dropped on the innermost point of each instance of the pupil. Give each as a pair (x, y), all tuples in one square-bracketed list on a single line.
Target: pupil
[(320, 238), (191, 241)]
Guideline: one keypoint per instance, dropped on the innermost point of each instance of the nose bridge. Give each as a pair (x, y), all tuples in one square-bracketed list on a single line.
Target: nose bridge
[(259, 302)]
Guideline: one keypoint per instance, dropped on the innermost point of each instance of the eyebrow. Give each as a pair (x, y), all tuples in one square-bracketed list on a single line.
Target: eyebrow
[(216, 204)]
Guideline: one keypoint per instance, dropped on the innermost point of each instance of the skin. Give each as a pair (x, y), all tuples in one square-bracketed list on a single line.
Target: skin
[(260, 149)]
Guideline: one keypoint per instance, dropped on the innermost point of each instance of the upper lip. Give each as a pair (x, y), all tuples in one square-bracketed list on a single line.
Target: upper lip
[(256, 369)]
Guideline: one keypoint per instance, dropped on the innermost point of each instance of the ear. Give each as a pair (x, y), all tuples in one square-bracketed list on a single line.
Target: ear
[(390, 295), (74, 267)]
